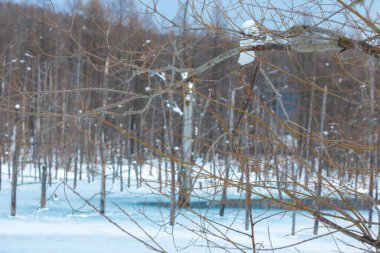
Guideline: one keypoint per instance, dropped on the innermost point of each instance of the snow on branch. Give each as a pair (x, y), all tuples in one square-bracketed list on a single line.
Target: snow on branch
[(331, 42)]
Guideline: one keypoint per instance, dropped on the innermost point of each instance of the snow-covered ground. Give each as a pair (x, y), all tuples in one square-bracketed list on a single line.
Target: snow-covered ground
[(68, 224)]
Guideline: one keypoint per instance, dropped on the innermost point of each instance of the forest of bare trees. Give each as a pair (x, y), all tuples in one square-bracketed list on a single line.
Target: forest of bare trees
[(105, 86)]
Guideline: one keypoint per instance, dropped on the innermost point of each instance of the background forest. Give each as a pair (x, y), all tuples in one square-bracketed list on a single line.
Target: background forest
[(103, 91)]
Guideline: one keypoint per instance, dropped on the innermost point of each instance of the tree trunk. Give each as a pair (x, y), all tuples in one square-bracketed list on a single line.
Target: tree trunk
[(321, 161), (50, 165), (1, 173), (294, 183), (102, 143), (187, 139), (103, 188), (309, 125), (372, 138), (120, 163), (75, 168), (15, 164), (229, 152), (43, 186)]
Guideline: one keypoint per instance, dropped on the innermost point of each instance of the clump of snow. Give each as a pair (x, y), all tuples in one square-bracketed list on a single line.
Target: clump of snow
[(288, 140), (161, 75), (190, 85), (17, 106), (273, 71), (184, 75), (223, 99), (246, 57), (176, 109), (250, 28)]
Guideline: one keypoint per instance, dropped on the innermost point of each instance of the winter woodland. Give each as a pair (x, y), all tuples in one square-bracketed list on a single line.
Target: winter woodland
[(228, 126)]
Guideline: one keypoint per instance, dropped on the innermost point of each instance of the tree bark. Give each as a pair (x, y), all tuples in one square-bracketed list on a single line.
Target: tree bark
[(43, 186), (15, 164), (321, 161)]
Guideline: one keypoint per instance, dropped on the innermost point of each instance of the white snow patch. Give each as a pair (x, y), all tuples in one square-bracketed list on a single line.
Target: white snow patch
[(86, 231), (190, 85), (289, 140), (184, 75), (176, 109), (161, 75), (246, 57), (250, 27)]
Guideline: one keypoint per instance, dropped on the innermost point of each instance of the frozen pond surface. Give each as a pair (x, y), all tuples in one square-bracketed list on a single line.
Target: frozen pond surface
[(69, 225)]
